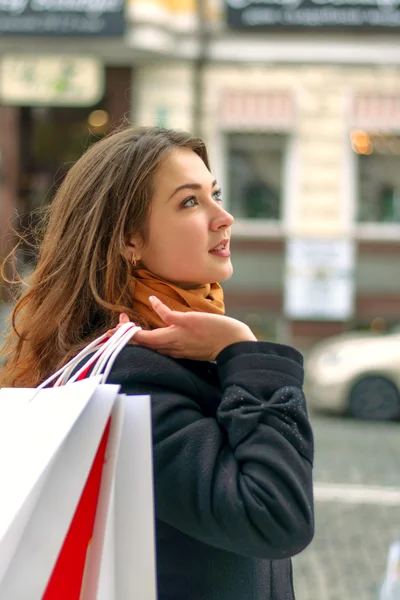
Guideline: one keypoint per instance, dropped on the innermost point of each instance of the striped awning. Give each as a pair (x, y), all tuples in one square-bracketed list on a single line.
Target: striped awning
[(376, 112), (243, 110)]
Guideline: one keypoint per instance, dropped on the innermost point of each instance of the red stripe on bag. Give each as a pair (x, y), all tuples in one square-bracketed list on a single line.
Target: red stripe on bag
[(66, 579), (90, 364)]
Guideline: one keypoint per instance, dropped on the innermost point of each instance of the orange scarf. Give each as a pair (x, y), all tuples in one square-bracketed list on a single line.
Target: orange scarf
[(206, 298)]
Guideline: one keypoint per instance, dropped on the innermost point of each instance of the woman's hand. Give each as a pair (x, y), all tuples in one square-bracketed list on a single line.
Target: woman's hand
[(193, 335)]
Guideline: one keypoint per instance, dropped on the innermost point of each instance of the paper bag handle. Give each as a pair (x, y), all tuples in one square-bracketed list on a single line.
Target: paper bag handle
[(106, 350)]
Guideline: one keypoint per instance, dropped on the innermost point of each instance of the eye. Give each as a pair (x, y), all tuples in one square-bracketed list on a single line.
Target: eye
[(186, 203), (217, 195)]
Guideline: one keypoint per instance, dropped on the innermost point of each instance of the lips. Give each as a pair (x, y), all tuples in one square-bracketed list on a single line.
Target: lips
[(220, 246), (221, 249)]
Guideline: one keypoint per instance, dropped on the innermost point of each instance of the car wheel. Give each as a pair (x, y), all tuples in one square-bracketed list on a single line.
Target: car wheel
[(374, 398)]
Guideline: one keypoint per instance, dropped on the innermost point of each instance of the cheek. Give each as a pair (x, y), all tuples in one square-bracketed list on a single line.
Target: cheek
[(190, 233), (177, 241), (186, 248), (192, 239)]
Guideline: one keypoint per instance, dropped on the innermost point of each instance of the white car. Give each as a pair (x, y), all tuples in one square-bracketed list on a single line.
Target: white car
[(356, 374)]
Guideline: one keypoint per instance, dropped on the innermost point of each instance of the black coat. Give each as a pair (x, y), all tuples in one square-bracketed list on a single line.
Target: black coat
[(233, 452)]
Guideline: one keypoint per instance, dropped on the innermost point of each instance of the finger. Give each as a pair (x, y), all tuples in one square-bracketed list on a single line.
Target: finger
[(170, 317), (123, 318), (163, 337)]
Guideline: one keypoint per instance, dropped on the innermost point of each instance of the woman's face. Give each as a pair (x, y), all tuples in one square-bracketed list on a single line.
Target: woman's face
[(187, 221)]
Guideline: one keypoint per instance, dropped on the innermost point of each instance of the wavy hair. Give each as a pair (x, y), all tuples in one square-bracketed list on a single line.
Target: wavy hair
[(83, 280)]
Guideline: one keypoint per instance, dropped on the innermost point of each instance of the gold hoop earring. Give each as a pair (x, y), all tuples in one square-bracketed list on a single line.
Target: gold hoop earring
[(133, 261)]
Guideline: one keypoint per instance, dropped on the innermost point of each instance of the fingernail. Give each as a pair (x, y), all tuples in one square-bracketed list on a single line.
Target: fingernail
[(152, 298)]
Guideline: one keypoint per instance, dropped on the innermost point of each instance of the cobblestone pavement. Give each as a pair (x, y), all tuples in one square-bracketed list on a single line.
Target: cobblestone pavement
[(347, 559)]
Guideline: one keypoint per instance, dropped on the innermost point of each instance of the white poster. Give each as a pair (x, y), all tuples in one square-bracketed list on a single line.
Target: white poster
[(319, 279)]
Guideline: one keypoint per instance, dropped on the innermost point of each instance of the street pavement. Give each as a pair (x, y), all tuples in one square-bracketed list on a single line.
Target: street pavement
[(357, 502)]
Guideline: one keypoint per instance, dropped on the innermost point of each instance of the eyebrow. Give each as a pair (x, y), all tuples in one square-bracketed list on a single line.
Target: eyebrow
[(190, 186)]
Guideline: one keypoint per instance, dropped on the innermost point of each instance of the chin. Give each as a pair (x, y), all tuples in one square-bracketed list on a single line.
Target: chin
[(224, 274), (203, 277)]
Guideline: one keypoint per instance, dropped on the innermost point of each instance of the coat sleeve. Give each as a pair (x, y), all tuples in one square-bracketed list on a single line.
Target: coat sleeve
[(241, 481)]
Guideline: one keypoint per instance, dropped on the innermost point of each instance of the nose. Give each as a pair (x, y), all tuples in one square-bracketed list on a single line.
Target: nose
[(222, 219)]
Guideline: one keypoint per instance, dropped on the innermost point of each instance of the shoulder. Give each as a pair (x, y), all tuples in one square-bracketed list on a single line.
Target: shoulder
[(137, 365)]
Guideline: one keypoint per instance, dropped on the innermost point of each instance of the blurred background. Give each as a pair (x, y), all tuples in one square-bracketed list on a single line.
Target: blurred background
[(299, 104)]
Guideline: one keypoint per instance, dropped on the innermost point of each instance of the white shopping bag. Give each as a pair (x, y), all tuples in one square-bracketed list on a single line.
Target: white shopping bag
[(44, 465), (122, 563), (134, 505), (55, 445)]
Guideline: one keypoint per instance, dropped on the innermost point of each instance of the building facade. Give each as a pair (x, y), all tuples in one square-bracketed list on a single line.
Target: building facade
[(65, 80), (300, 108), (303, 128)]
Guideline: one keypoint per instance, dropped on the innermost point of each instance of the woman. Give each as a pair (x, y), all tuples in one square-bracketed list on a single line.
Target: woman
[(138, 229)]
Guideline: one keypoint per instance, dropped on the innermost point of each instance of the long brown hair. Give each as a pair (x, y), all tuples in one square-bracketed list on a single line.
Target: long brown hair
[(83, 280)]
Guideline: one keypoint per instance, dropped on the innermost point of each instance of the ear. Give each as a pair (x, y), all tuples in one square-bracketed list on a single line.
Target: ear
[(134, 247)]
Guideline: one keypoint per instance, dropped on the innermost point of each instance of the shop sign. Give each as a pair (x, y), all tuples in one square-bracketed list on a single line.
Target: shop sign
[(319, 279), (62, 17), (69, 80), (313, 13)]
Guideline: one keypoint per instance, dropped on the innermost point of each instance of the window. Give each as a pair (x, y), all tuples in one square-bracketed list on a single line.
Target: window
[(378, 177), (255, 167), (52, 139)]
